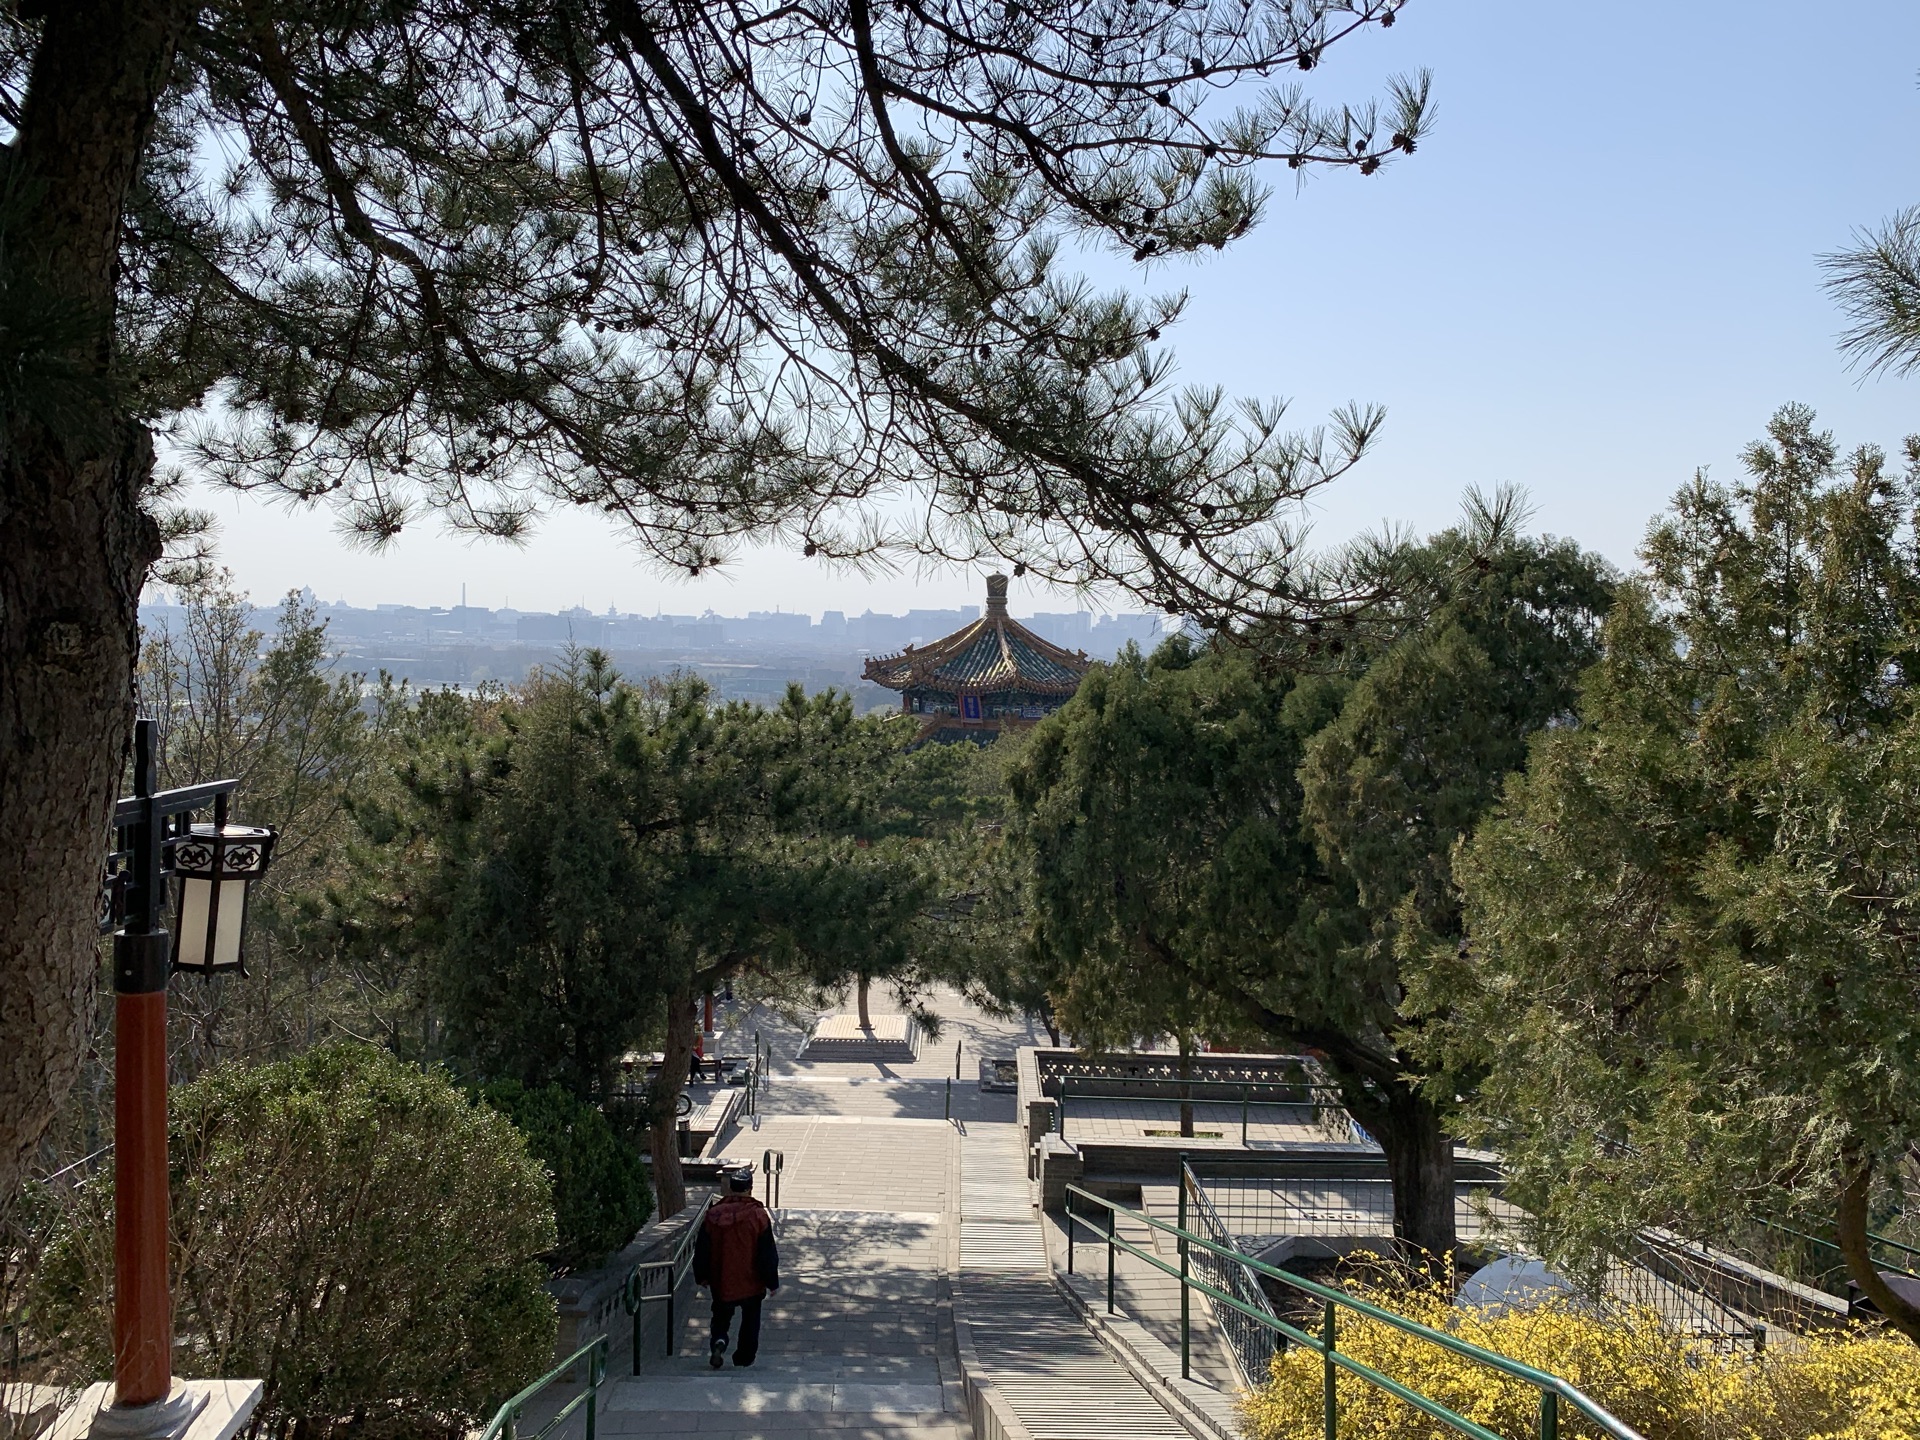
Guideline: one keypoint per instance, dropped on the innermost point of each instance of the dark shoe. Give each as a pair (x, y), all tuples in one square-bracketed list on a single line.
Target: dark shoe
[(739, 1362), (716, 1354)]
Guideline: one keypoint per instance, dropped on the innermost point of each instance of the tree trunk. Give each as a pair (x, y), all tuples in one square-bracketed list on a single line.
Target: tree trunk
[(1051, 1022), (1850, 1229), (1419, 1158), (669, 1181), (1186, 1086), (75, 546), (866, 1020)]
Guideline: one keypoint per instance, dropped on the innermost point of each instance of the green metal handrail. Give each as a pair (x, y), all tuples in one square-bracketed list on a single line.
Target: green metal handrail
[(505, 1424), (633, 1294), (1252, 1344), (1892, 1244), (1551, 1388), (1872, 1240)]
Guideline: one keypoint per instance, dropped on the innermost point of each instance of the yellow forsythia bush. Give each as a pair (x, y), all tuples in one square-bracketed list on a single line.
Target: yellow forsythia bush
[(1860, 1385)]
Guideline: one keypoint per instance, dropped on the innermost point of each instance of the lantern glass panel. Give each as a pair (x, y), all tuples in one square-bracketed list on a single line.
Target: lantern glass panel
[(210, 940)]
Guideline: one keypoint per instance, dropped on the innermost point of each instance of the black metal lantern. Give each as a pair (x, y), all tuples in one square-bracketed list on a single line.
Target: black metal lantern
[(212, 866)]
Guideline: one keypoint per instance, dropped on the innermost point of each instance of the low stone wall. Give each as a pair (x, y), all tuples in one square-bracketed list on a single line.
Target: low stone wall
[(1060, 1165), (1040, 1069), (843, 1037), (707, 1144), (592, 1304), (1052, 1064), (1031, 1101)]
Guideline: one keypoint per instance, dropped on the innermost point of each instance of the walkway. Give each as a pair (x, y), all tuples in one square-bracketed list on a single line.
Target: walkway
[(858, 1343), (908, 1247)]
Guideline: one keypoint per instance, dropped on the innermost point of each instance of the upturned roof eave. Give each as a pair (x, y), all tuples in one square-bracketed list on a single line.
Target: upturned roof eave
[(887, 670)]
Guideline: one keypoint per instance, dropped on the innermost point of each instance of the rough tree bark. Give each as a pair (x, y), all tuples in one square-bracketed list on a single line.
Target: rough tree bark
[(75, 545), (1050, 1022), (1856, 1188), (1419, 1156), (866, 1020), (663, 1136)]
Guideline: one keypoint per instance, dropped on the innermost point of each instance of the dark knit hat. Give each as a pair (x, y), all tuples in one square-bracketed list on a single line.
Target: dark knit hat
[(740, 1181)]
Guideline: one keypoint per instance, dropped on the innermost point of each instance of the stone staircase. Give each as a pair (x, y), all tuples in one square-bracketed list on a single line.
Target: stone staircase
[(1033, 1369)]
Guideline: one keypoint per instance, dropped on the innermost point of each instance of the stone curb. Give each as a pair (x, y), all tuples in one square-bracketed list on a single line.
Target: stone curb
[(992, 1415), (990, 1412)]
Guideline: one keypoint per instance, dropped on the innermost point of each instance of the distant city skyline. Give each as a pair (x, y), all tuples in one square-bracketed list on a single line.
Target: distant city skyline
[(1599, 273), (749, 657), (164, 600)]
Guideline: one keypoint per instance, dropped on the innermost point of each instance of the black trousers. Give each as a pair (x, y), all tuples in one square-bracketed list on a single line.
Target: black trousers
[(749, 1345)]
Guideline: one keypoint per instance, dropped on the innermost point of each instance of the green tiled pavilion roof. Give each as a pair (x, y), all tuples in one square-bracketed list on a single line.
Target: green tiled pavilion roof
[(994, 653)]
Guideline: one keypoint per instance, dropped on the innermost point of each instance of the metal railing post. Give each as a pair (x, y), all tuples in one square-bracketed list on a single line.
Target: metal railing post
[(949, 1114), (505, 1424), (1251, 1304), (672, 1285), (1060, 1110), (773, 1164), (639, 1315), (1186, 1290), (1329, 1375), (1245, 1092), (1111, 1215), (957, 1046), (1070, 1230)]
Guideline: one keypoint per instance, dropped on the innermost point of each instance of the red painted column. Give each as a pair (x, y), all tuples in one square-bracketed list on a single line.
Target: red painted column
[(142, 1305)]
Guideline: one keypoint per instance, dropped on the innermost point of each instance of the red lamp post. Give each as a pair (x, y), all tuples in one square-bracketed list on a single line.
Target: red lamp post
[(212, 865)]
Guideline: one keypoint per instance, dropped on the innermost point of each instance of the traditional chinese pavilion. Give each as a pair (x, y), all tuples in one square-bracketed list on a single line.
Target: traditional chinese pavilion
[(993, 675)]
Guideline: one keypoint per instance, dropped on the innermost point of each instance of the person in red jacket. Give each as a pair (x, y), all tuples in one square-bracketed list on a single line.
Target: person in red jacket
[(736, 1257)]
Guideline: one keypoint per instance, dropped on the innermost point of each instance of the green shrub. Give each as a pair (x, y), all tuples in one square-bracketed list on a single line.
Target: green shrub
[(1854, 1385), (354, 1231), (600, 1190)]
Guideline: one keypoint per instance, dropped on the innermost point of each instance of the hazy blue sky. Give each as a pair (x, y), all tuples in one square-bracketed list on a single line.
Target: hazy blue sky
[(1600, 273)]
